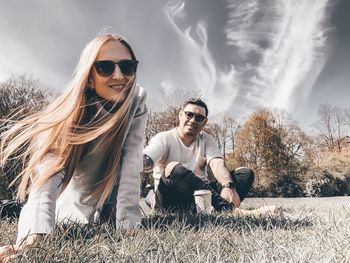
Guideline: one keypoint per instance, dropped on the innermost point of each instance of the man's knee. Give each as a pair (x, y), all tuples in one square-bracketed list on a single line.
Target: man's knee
[(245, 172), (170, 167), (176, 171)]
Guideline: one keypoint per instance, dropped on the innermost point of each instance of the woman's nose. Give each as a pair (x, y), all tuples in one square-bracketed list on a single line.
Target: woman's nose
[(117, 74)]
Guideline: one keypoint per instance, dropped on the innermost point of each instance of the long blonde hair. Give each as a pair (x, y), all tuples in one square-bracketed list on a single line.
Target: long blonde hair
[(59, 129)]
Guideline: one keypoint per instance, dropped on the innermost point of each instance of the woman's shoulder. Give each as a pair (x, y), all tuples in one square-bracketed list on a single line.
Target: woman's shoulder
[(139, 104), (141, 92)]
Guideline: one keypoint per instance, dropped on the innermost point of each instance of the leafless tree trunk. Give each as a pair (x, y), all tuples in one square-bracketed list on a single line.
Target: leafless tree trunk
[(333, 126)]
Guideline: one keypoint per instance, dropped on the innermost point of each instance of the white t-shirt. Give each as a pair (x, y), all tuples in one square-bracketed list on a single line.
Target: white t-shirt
[(167, 147)]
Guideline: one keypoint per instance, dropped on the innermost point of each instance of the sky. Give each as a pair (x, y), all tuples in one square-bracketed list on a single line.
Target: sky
[(238, 54)]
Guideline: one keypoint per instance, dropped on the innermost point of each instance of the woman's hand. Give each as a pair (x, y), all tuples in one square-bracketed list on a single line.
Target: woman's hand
[(8, 252)]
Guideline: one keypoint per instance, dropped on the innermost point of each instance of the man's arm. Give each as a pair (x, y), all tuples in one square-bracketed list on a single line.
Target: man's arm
[(154, 151), (221, 173)]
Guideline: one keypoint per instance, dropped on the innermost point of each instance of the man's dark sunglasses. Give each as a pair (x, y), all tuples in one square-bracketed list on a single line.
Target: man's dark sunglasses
[(106, 68), (198, 117)]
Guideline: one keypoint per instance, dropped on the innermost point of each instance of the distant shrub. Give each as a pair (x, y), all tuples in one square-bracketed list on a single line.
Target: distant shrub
[(327, 185), (260, 191), (287, 186), (317, 187), (20, 96), (283, 186)]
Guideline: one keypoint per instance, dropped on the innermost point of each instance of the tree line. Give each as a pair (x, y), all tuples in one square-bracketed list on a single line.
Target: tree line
[(286, 160)]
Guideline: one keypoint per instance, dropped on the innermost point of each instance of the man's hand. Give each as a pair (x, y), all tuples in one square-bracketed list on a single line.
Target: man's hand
[(231, 195)]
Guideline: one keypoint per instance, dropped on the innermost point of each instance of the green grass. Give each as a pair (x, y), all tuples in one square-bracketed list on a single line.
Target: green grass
[(303, 230)]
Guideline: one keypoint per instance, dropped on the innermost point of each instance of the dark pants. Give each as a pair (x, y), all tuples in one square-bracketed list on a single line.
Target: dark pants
[(175, 192)]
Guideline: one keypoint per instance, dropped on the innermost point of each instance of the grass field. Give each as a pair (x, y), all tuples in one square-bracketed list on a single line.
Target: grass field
[(303, 230)]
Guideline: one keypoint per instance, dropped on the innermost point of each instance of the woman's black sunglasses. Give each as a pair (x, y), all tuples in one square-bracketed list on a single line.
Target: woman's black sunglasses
[(106, 68), (198, 117)]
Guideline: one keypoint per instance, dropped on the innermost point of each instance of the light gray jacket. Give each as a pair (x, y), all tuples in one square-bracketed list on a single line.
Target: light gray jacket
[(46, 206)]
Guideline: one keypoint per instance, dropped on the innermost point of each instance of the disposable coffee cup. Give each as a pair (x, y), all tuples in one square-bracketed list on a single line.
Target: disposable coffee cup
[(202, 199)]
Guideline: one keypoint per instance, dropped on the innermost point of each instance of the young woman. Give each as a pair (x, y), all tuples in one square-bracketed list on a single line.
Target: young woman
[(84, 151)]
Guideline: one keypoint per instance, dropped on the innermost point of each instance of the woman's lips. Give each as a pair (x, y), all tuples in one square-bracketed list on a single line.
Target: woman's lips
[(117, 86)]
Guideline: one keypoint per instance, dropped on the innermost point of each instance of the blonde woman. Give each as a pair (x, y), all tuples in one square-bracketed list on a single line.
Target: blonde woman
[(84, 151)]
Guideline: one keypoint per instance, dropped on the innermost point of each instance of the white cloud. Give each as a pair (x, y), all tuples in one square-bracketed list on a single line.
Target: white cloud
[(175, 8), (286, 38), (217, 87), (166, 87)]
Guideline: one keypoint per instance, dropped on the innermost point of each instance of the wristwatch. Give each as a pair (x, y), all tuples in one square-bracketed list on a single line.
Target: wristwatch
[(229, 185)]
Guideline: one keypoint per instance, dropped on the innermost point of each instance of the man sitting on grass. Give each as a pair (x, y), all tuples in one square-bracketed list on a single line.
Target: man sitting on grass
[(180, 159)]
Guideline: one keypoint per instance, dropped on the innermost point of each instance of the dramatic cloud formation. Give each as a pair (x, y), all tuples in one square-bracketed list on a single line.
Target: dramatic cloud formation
[(217, 87), (239, 54), (283, 43)]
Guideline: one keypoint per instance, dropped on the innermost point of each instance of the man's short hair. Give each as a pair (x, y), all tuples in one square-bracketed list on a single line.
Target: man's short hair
[(198, 102)]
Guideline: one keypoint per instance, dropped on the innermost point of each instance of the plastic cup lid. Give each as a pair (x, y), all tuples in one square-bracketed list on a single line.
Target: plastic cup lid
[(202, 192)]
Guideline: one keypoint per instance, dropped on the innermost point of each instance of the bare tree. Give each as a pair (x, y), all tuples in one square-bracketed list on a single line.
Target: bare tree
[(294, 138), (223, 129), (158, 121), (347, 116), (215, 130), (232, 129), (333, 126), (174, 99)]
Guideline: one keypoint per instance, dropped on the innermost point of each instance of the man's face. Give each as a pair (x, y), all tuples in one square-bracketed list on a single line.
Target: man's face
[(189, 124)]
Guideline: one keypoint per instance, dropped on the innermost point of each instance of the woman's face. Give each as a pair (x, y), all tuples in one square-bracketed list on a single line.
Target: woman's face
[(111, 87)]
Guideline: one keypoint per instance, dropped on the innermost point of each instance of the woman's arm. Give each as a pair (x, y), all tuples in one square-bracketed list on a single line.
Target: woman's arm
[(128, 213), (38, 214)]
